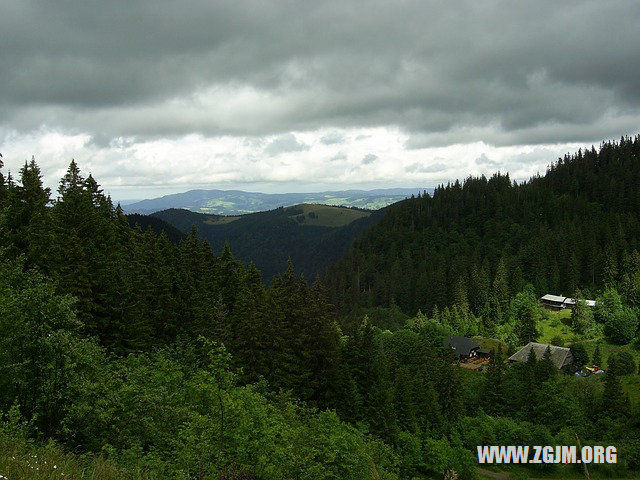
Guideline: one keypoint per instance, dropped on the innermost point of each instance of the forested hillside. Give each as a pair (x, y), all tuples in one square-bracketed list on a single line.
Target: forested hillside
[(479, 241), (312, 236), (158, 226)]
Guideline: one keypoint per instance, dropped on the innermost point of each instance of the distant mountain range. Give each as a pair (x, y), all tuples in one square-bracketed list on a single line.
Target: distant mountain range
[(238, 202)]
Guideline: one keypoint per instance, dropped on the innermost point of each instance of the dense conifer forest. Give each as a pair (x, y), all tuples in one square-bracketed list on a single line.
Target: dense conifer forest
[(126, 355), (480, 241), (270, 238), (158, 226)]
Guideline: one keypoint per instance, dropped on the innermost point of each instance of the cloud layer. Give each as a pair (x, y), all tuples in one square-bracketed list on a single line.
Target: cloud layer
[(282, 78)]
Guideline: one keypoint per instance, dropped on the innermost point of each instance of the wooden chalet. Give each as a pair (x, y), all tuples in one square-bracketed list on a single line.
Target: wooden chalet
[(560, 356), (462, 347)]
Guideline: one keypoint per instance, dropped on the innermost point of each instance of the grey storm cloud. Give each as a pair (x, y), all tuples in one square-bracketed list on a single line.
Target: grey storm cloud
[(535, 72), (369, 158), (285, 143)]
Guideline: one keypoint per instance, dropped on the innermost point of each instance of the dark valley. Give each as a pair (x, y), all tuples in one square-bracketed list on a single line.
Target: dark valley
[(311, 236)]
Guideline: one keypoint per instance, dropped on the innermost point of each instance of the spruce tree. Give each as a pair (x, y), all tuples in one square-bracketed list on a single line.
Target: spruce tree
[(82, 249), (531, 385), (494, 390), (500, 292), (133, 318), (546, 368), (194, 267), (429, 412), (597, 356), (228, 277), (614, 402), (3, 185), (321, 346), (73, 276), (371, 374), (348, 399), (291, 367), (527, 325), (573, 273), (449, 386), (5, 233), (532, 359), (252, 335), (29, 219), (461, 299), (630, 284), (526, 313), (610, 267), (581, 315), (404, 400), (167, 305), (580, 354), (517, 278)]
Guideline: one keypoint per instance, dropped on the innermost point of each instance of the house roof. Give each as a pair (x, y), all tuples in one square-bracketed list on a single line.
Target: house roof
[(566, 301), (560, 356), (553, 298), (461, 345), (574, 301)]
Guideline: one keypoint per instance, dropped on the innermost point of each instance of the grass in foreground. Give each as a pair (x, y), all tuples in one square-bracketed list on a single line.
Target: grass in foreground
[(23, 460)]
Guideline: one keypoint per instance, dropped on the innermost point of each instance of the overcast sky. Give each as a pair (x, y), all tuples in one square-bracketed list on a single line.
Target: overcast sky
[(163, 96)]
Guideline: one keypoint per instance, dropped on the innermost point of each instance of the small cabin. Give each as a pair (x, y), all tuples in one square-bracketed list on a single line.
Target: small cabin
[(462, 347)]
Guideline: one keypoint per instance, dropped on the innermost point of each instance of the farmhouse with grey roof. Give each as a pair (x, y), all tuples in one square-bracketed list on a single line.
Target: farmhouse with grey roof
[(560, 356)]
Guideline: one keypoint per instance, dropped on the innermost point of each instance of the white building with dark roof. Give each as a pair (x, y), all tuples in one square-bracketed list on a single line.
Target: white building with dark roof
[(556, 302)]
